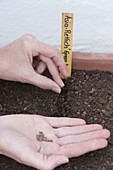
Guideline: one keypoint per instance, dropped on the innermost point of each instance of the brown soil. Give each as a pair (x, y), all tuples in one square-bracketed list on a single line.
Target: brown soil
[(87, 94)]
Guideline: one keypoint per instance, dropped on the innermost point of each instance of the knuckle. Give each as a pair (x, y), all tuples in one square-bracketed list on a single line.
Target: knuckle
[(64, 148), (58, 132), (28, 36), (58, 51), (25, 42), (55, 51), (27, 39), (60, 141)]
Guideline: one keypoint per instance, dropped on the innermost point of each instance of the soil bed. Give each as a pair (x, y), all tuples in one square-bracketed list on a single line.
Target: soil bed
[(87, 94)]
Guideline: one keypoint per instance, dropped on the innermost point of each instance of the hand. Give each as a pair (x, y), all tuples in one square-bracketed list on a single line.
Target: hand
[(45, 143), (26, 58)]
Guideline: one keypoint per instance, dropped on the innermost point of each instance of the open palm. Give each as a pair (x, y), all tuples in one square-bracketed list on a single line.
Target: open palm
[(46, 142)]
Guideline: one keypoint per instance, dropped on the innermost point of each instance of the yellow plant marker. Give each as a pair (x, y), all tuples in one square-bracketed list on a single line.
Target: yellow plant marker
[(66, 40)]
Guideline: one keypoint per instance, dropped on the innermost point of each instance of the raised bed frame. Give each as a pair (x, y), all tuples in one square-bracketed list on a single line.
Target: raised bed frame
[(92, 61)]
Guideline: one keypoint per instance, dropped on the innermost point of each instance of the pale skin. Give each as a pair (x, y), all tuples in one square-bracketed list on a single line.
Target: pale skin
[(69, 137)]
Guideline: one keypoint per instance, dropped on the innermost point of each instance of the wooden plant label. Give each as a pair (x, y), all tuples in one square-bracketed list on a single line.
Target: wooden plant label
[(66, 40)]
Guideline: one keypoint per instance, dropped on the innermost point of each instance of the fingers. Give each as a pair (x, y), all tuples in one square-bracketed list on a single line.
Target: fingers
[(103, 133), (62, 121), (51, 58), (76, 130), (54, 54), (53, 70), (42, 82), (38, 65), (41, 67), (75, 150)]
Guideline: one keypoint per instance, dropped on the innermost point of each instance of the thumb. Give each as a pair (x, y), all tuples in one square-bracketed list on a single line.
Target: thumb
[(57, 160), (44, 162), (43, 82)]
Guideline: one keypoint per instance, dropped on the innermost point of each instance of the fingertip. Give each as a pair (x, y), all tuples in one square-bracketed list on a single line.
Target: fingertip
[(107, 133), (62, 84), (43, 82), (81, 121), (98, 143), (104, 143), (57, 160), (56, 89), (98, 126), (63, 71), (62, 160)]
